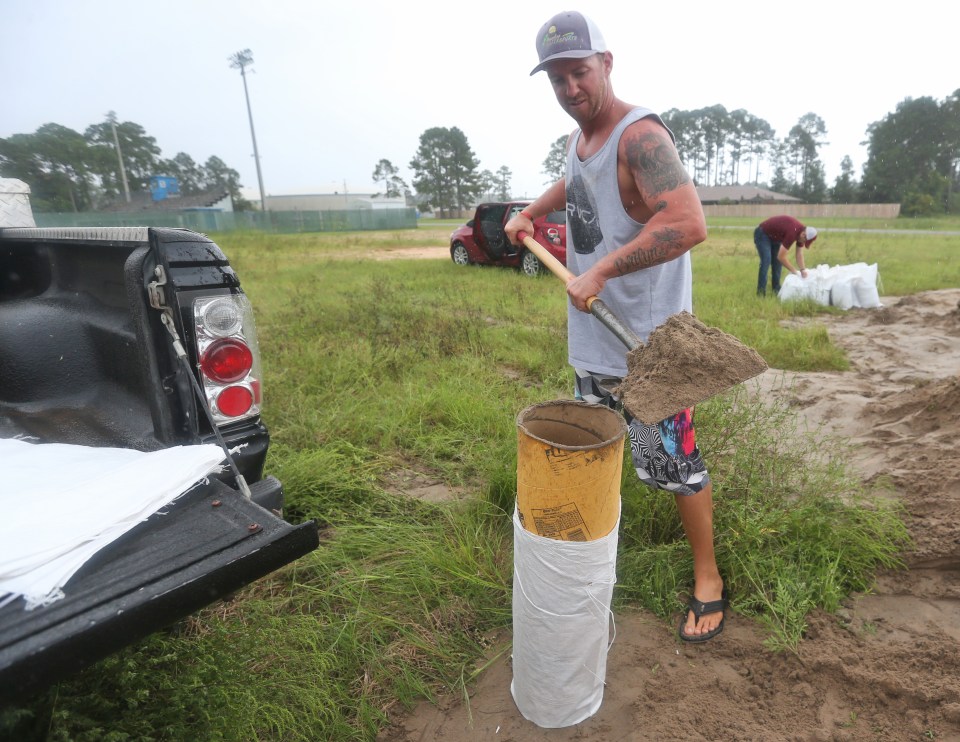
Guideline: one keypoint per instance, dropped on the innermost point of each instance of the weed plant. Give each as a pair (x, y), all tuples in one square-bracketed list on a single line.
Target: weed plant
[(374, 368)]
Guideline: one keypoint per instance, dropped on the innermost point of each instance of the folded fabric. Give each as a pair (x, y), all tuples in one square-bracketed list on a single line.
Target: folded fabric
[(60, 504)]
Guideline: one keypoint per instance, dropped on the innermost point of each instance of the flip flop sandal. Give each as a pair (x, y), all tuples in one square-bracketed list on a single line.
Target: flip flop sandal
[(699, 609)]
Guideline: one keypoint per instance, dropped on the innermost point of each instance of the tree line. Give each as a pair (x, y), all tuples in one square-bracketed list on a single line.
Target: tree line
[(69, 172), (913, 155), (913, 159), (447, 174)]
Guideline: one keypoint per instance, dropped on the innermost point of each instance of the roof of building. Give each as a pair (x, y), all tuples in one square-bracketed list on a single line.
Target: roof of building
[(738, 194), (143, 201)]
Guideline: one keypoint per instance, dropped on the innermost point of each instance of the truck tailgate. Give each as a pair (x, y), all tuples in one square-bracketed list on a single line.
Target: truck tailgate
[(205, 545)]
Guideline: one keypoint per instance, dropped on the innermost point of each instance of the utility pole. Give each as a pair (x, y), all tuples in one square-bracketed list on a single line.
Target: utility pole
[(240, 60), (112, 118)]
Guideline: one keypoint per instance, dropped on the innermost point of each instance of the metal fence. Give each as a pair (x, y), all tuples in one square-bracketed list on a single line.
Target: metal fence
[(227, 221)]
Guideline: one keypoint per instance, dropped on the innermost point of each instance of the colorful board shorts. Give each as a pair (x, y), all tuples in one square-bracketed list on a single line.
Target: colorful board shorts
[(665, 455)]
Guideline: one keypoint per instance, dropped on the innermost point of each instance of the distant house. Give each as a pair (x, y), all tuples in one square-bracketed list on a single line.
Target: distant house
[(164, 195), (742, 195)]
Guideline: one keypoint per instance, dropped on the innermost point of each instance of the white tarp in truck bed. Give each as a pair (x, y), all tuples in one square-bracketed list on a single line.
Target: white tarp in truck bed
[(60, 504)]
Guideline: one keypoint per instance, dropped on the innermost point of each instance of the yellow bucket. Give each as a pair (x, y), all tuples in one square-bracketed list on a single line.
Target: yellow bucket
[(569, 464)]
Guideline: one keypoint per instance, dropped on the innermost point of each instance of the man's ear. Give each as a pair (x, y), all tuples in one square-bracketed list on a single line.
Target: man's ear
[(607, 61)]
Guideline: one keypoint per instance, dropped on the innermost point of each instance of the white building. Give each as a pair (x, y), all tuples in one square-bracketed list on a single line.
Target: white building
[(333, 202)]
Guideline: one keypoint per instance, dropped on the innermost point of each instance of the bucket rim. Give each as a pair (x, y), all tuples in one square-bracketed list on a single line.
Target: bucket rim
[(613, 415)]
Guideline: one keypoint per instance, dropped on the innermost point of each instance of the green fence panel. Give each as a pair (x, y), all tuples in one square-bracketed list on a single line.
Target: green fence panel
[(281, 222)]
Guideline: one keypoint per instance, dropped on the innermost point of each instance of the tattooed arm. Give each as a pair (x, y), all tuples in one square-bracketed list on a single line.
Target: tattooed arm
[(655, 191)]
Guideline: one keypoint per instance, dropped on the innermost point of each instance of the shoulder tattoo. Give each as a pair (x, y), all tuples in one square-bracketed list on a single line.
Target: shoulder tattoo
[(655, 164)]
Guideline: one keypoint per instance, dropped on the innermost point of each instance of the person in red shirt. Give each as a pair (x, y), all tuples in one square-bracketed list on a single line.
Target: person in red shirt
[(773, 239)]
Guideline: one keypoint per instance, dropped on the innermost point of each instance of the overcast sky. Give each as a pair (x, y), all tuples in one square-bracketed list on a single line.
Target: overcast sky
[(338, 85)]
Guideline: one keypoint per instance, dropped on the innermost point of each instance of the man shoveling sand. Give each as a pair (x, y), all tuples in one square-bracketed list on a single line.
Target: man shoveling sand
[(633, 215)]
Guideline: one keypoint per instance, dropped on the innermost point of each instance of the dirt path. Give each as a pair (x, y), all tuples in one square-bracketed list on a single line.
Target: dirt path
[(887, 668), (409, 253)]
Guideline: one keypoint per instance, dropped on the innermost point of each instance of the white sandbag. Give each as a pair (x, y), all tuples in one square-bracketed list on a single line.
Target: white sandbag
[(868, 294), (841, 293), (814, 287), (561, 625), (818, 283), (792, 288), (795, 288), (862, 281), (842, 286)]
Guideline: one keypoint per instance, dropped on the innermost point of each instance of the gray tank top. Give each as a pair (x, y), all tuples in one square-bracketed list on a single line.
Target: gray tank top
[(597, 224)]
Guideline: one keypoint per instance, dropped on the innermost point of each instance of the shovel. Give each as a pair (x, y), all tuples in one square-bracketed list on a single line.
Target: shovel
[(683, 363)]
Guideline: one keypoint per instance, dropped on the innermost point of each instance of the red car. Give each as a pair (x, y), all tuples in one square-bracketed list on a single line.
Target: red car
[(483, 241)]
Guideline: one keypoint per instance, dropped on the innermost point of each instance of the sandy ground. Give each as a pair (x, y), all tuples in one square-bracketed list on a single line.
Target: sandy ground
[(407, 253), (886, 668)]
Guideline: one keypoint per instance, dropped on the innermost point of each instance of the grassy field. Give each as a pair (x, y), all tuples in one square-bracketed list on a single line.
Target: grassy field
[(380, 370)]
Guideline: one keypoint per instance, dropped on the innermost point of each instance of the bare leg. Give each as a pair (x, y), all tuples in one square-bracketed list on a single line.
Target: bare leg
[(696, 514)]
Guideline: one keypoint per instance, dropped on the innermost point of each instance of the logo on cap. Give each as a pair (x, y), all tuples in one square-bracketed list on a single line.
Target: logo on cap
[(570, 37)]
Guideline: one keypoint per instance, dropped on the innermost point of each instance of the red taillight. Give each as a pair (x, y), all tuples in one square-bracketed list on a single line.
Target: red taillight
[(228, 356), (226, 361), (234, 401)]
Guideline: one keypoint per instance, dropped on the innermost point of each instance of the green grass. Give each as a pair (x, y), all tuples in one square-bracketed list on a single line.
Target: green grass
[(373, 368)]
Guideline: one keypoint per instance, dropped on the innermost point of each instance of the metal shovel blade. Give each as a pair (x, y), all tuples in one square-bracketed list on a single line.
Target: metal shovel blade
[(683, 363)]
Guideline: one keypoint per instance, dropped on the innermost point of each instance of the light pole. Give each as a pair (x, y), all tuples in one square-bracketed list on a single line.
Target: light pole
[(112, 118), (240, 60)]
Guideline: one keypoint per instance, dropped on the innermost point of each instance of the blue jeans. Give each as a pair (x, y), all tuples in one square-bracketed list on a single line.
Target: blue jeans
[(767, 249)]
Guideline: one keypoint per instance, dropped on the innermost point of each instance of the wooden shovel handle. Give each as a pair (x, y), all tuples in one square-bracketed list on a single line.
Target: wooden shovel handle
[(597, 308), (546, 257)]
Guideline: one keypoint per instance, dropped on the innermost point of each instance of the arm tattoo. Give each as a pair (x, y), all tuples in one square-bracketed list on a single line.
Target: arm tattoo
[(665, 244), (655, 164)]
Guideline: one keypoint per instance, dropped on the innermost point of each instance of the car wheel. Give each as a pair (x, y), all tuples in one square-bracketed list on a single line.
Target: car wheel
[(459, 254), (530, 264)]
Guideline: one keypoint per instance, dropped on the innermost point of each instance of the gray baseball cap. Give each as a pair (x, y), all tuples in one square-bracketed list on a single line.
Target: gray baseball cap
[(568, 35)]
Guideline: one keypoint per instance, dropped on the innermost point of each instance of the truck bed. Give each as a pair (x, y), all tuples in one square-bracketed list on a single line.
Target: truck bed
[(86, 359)]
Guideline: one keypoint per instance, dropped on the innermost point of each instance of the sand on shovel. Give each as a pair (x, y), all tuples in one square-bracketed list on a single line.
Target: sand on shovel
[(684, 362)]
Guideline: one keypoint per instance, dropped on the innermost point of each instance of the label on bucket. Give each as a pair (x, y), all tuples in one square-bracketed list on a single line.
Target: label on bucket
[(563, 522)]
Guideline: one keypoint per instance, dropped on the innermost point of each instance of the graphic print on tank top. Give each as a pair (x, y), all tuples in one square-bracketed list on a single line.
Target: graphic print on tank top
[(582, 217)]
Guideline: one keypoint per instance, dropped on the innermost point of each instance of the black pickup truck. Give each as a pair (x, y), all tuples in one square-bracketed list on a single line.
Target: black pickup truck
[(136, 338)]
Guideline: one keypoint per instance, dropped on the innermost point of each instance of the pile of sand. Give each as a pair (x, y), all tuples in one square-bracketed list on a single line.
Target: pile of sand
[(683, 363)]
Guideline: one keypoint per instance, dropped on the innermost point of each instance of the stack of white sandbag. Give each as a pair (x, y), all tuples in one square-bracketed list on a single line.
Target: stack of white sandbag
[(841, 286)]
